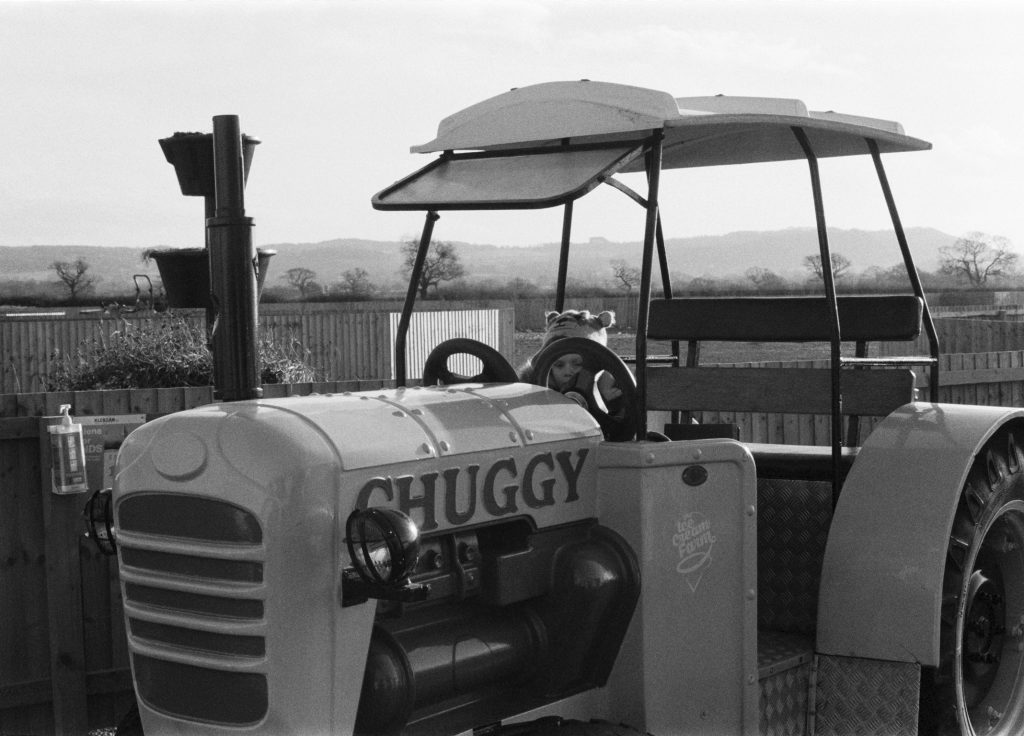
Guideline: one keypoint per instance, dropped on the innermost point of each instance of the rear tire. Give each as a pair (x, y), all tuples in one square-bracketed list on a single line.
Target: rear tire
[(554, 726), (978, 687), (131, 723)]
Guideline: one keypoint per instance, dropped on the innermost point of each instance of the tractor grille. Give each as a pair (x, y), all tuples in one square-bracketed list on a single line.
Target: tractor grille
[(192, 569)]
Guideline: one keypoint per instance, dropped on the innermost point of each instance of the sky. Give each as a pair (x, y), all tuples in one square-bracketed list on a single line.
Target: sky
[(338, 91)]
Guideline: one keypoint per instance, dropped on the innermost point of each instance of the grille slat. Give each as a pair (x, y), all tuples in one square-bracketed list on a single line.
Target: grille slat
[(209, 605), (203, 641), (210, 568)]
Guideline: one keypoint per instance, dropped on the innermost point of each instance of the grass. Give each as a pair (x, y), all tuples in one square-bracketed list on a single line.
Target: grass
[(624, 343)]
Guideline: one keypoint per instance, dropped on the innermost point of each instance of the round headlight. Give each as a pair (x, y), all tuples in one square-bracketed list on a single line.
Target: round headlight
[(384, 545), (99, 521)]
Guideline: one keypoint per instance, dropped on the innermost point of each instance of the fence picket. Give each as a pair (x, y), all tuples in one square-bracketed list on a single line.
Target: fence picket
[(142, 401)]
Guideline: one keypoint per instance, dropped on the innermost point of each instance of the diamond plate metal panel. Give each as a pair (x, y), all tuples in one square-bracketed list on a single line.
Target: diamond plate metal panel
[(866, 697), (793, 522), (784, 702), (777, 651)]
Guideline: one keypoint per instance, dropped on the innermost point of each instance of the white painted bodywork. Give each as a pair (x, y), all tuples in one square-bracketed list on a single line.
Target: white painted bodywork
[(689, 661), (881, 583), (699, 131), (299, 465)]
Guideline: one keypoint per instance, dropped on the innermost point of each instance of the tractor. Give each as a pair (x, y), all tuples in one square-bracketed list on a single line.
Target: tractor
[(482, 555)]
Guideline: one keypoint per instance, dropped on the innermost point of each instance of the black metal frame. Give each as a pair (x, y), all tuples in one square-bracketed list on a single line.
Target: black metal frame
[(651, 149), (380, 200), (640, 146)]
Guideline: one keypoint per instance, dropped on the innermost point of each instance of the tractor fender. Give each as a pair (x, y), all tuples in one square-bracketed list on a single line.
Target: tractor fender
[(881, 582)]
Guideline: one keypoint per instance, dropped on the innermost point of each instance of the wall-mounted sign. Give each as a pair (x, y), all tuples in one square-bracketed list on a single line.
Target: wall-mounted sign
[(103, 436)]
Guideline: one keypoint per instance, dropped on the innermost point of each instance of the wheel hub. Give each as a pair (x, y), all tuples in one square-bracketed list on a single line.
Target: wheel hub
[(991, 627), (984, 627)]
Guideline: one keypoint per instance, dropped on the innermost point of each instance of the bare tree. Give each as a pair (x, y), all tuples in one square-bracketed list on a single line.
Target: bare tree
[(303, 279), (977, 257), (519, 287), (355, 283), (763, 278), (74, 276), (625, 277), (702, 284), (441, 264), (840, 265), (879, 277)]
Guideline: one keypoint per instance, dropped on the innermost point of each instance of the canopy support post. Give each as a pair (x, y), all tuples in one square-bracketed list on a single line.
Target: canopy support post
[(915, 279), (833, 305), (675, 416), (410, 296), (563, 258), (643, 313)]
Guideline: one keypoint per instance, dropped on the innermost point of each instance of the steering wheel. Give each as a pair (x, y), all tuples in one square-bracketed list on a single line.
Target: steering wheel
[(618, 424), (495, 370)]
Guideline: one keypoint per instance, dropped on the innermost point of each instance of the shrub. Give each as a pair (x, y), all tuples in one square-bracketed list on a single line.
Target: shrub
[(164, 352)]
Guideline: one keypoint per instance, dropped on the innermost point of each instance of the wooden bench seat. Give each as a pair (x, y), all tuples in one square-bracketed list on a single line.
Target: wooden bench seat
[(777, 390), (864, 391), (785, 319)]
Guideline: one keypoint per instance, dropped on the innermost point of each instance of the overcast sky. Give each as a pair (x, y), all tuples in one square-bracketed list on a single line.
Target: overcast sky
[(338, 91)]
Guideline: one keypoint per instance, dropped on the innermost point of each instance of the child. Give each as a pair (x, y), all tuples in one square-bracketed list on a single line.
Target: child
[(570, 323), (568, 374)]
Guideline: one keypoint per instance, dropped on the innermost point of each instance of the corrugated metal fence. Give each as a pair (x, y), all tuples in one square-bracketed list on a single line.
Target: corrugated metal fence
[(429, 329)]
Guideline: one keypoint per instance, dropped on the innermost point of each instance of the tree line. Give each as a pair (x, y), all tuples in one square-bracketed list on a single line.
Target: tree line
[(976, 260)]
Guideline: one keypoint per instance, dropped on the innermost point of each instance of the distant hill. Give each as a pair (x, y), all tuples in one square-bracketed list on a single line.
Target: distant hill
[(720, 256)]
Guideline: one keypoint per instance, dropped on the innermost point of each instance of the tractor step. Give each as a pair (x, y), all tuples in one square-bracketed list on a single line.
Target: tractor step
[(784, 663)]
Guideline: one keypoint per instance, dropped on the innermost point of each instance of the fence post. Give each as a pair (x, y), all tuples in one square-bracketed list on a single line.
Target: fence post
[(62, 524)]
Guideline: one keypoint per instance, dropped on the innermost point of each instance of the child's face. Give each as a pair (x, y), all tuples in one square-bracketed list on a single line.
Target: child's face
[(564, 370)]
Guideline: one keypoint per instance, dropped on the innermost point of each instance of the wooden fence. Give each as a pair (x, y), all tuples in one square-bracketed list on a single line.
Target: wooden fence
[(340, 341), (985, 379), (63, 668), (965, 335), (64, 664), (354, 340)]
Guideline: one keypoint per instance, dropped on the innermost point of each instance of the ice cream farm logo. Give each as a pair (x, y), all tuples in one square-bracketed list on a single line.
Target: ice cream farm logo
[(694, 540)]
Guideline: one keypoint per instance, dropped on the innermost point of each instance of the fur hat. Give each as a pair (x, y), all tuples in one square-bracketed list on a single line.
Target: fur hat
[(574, 323)]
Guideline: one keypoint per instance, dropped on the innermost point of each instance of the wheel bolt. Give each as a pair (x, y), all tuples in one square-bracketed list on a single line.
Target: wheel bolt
[(994, 716)]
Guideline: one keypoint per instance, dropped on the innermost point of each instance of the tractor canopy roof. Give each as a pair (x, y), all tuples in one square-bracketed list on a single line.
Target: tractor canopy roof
[(547, 144)]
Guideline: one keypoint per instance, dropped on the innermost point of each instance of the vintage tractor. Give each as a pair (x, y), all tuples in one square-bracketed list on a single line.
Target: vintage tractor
[(479, 557)]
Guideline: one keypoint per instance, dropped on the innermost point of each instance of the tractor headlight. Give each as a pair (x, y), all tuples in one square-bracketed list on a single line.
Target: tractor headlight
[(99, 521), (383, 544)]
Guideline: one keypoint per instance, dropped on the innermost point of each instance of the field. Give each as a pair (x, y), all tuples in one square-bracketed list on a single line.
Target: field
[(624, 343)]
